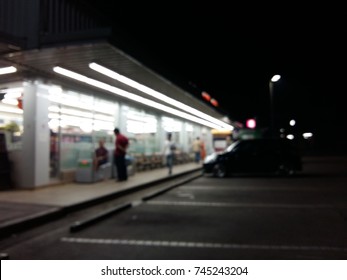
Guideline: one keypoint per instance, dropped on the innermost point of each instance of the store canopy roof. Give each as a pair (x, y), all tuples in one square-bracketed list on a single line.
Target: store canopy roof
[(76, 58), (71, 36)]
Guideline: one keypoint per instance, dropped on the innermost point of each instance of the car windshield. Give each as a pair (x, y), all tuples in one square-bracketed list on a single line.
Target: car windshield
[(231, 147)]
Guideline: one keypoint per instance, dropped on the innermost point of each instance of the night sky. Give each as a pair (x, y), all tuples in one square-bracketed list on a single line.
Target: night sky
[(231, 52)]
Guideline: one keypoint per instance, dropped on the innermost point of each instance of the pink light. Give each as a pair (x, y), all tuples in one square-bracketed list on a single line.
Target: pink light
[(251, 123)]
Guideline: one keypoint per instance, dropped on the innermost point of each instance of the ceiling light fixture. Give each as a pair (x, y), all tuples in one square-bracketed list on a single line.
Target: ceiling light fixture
[(133, 97), (114, 75), (7, 70)]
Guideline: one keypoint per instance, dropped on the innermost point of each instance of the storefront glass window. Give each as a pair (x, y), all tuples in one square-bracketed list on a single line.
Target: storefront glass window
[(141, 127), (104, 122), (175, 127), (81, 121), (11, 115)]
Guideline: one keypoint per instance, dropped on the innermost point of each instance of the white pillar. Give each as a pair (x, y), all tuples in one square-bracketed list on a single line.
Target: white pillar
[(185, 147), (35, 153)]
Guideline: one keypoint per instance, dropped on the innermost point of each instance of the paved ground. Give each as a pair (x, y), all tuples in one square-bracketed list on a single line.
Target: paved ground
[(244, 217), (22, 207)]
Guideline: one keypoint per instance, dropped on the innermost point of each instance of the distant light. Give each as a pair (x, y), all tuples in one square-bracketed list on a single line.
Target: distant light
[(7, 70), (251, 123), (214, 102), (206, 96), (292, 122), (290, 136), (275, 78), (307, 135)]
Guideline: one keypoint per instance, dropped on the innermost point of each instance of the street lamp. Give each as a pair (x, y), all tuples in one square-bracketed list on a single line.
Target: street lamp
[(273, 80), (292, 122)]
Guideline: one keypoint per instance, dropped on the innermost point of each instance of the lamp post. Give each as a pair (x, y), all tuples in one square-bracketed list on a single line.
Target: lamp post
[(273, 80)]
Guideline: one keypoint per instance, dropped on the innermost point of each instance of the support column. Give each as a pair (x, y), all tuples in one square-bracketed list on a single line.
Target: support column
[(35, 153)]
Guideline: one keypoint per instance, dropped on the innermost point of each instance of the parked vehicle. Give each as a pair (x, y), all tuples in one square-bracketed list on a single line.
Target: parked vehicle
[(277, 156)]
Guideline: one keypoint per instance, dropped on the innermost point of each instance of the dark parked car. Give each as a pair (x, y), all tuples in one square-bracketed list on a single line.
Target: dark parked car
[(276, 156)]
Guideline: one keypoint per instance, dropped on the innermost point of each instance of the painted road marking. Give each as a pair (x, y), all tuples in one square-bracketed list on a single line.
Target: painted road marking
[(207, 245), (260, 188), (229, 204), (185, 195)]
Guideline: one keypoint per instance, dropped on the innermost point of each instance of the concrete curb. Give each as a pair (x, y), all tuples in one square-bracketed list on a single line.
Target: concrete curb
[(79, 225), (30, 221), (119, 193)]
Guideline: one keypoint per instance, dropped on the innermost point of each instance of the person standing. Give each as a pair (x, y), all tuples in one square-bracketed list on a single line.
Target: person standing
[(203, 151), (121, 145), (169, 149), (197, 149)]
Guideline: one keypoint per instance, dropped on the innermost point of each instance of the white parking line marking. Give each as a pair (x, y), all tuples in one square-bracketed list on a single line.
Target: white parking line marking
[(185, 195), (184, 244), (259, 188), (228, 204)]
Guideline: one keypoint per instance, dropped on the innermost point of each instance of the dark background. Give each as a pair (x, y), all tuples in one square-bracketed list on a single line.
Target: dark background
[(232, 52)]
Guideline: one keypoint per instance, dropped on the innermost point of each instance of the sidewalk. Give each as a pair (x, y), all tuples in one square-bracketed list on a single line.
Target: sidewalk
[(20, 209)]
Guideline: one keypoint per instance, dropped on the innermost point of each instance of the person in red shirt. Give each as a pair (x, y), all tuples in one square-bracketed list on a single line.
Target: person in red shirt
[(121, 145)]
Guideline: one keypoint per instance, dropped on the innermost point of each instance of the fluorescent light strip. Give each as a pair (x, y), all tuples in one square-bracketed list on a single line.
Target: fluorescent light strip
[(64, 100), (15, 91), (7, 70), (132, 96), (156, 94), (10, 109)]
